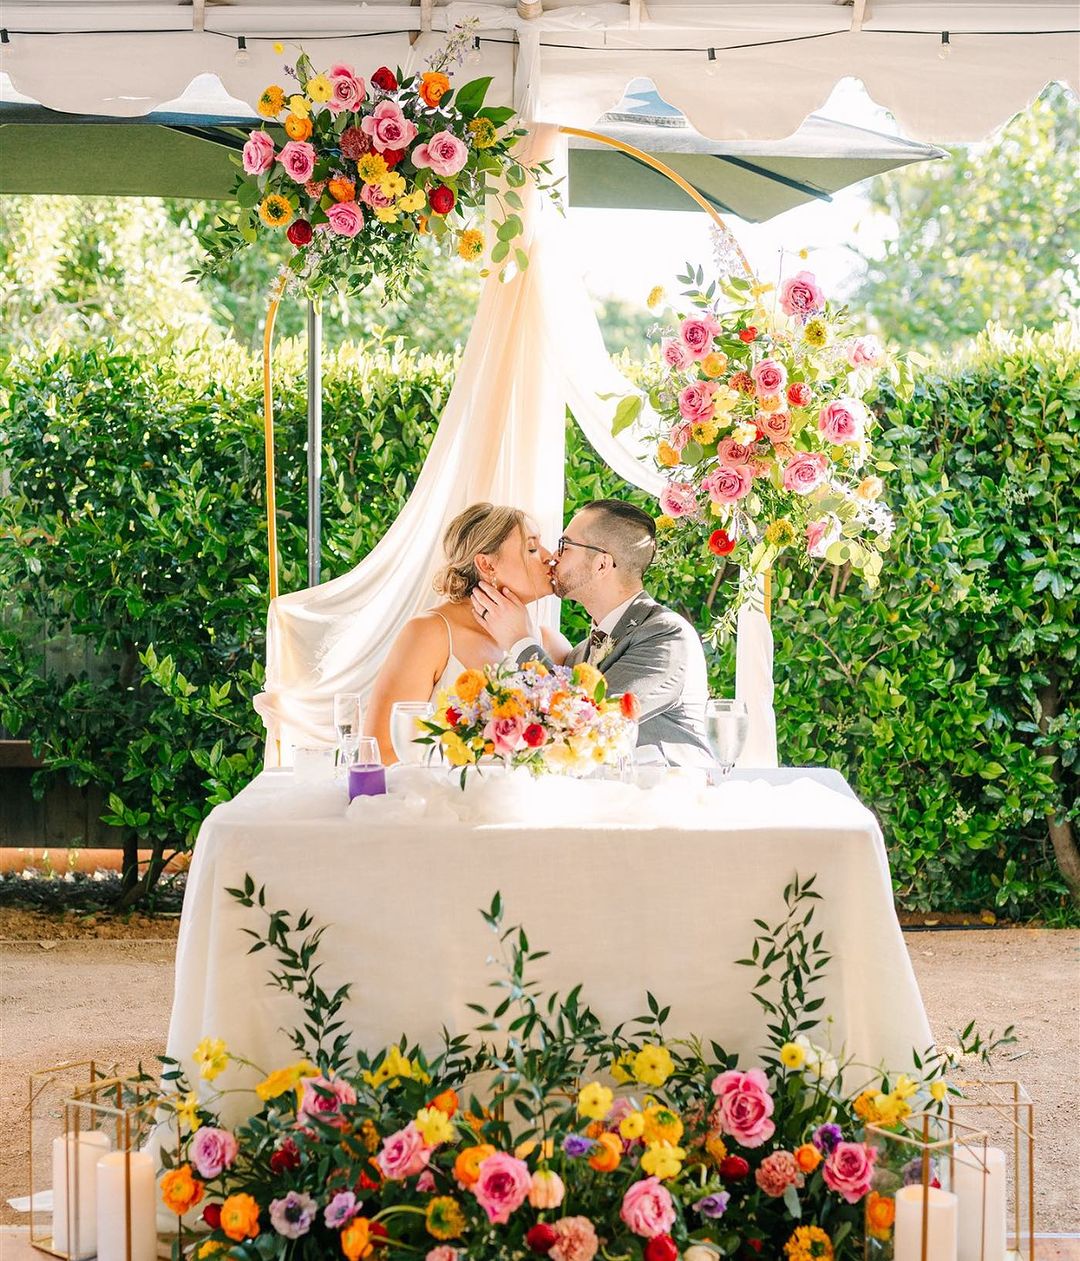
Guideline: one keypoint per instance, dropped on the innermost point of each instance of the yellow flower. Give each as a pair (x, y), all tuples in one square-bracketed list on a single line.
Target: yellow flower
[(187, 1110), (393, 184), (386, 214), (869, 489), (792, 1055), (285, 1079), (469, 685), (724, 400), (714, 364), (939, 1089), (524, 1150), (622, 1068), (704, 432), (511, 707), (212, 1057), (412, 202), (537, 667), (586, 676), (595, 1101), (444, 1218), (275, 211), (434, 1126), (905, 1087), (716, 1147), (483, 133), (320, 88), (663, 1160), (666, 455), (759, 291), (816, 332), (745, 433), (804, 253), (656, 296), (865, 1106), (662, 1125), (279, 47), (809, 1243), (771, 403), (300, 105), (211, 1248), (471, 244), (458, 753), (632, 1126), (393, 1068), (653, 1065), (780, 534), (272, 101), (371, 168), (891, 1109), (664, 522)]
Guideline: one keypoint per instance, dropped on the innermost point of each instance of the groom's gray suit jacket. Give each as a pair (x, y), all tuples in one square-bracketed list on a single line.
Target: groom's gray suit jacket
[(657, 655)]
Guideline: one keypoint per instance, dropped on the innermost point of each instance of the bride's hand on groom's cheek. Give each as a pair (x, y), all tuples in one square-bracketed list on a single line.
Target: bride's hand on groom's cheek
[(500, 613)]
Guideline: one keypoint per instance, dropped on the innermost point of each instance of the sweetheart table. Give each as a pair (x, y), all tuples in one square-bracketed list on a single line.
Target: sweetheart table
[(629, 888)]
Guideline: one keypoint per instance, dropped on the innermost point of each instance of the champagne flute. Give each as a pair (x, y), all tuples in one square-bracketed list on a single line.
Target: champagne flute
[(405, 729), (347, 718), (726, 725)]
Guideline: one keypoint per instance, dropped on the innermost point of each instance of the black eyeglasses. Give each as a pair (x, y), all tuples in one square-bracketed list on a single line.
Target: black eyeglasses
[(564, 543)]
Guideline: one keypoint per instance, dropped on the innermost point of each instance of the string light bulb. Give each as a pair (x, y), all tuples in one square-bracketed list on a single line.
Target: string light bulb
[(474, 52), (945, 50), (242, 54), (710, 68)]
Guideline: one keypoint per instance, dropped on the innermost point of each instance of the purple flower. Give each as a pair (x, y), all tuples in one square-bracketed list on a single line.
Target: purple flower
[(826, 1137), (292, 1216), (912, 1171), (713, 1205), (341, 1210), (577, 1144)]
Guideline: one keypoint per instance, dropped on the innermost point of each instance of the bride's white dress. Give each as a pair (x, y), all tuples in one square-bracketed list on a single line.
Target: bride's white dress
[(453, 668)]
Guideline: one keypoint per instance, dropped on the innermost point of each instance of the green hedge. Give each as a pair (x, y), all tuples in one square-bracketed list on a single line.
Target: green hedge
[(135, 519)]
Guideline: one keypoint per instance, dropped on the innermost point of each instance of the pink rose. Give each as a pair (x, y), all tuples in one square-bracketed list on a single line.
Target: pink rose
[(864, 350), (346, 218), (802, 295), (820, 536), (775, 425), (372, 195), (675, 354), (777, 1172), (444, 153), (769, 376), (502, 1186), (842, 420), (743, 1106), (349, 89), (849, 1170), (507, 734), (576, 1240), (731, 453), (426, 1181), (403, 1153), (680, 436), (298, 159), (322, 1097), (388, 127), (212, 1150), (442, 1252), (728, 485), (647, 1208), (258, 153), (678, 499), (805, 472), (696, 401), (697, 335)]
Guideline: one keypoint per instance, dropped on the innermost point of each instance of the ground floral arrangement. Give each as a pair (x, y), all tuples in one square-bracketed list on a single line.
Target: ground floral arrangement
[(685, 1154), (764, 437), (556, 720), (363, 168)]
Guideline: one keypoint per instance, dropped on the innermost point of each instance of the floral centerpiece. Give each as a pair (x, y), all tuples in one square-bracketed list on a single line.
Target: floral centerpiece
[(623, 1143), (764, 438), (356, 170), (548, 720)]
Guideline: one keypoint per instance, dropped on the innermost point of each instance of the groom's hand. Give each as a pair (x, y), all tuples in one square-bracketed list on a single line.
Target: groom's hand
[(501, 614)]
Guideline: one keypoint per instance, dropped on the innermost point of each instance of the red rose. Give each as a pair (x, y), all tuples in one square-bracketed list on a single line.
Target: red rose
[(392, 157), (630, 706), (211, 1215), (385, 79), (534, 735), (743, 382), (541, 1237), (798, 394), (299, 232), (721, 543), (286, 1157), (441, 199), (661, 1248), (453, 716), (748, 334), (733, 1168), (755, 1244)]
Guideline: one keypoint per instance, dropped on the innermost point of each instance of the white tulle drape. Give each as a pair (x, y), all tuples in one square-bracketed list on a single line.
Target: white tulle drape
[(534, 349)]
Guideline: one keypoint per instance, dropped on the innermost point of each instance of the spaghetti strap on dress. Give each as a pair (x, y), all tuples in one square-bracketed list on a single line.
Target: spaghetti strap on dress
[(453, 667)]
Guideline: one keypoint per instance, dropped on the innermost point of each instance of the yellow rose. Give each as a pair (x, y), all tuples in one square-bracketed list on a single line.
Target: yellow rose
[(745, 433), (320, 89), (653, 1065), (663, 1160), (595, 1101)]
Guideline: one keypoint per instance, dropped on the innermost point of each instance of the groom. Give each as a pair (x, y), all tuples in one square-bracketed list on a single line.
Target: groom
[(639, 645)]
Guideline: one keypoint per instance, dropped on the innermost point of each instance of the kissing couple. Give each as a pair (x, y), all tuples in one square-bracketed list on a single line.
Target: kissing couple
[(496, 567)]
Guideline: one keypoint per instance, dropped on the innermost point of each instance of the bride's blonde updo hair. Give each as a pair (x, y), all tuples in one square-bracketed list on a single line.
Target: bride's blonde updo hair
[(480, 530)]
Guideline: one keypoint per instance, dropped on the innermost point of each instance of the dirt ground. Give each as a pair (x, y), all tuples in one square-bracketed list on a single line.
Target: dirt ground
[(71, 990)]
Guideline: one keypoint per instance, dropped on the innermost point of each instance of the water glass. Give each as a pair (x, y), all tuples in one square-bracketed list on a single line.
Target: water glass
[(367, 775), (347, 720), (405, 729), (726, 725)]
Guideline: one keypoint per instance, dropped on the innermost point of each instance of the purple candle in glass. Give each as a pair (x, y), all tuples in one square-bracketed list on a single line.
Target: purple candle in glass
[(367, 777)]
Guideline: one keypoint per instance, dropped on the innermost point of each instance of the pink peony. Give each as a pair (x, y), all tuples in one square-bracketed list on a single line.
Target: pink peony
[(744, 1106), (821, 535), (769, 376), (212, 1150), (576, 1240), (777, 1172), (323, 1097), (372, 195), (349, 89), (403, 1153), (842, 420), (678, 499), (697, 335), (647, 1208), (864, 350), (444, 153), (346, 218), (728, 485), (849, 1170), (775, 425), (502, 1186), (805, 472), (802, 295), (298, 159), (732, 453), (388, 127), (506, 734), (675, 354), (696, 401), (258, 155)]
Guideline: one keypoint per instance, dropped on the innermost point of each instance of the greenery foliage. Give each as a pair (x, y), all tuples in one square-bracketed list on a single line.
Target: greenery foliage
[(135, 520)]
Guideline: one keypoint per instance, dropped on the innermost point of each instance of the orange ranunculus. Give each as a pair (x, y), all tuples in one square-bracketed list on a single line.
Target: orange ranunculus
[(433, 87), (240, 1217), (607, 1153), (446, 1102), (356, 1239), (807, 1157), (467, 1165), (297, 128), (342, 189), (181, 1190), (594, 1129), (880, 1214)]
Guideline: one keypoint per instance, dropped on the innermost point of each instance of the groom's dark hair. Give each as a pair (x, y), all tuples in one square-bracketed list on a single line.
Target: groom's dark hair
[(628, 533)]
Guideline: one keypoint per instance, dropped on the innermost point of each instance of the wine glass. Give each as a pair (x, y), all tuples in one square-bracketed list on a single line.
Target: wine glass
[(405, 729), (726, 725), (347, 719)]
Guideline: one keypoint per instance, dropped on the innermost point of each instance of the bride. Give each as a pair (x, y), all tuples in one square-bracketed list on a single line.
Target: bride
[(497, 545)]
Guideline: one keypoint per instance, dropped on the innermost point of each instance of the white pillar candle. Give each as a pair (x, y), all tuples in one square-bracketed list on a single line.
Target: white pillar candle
[(941, 1225), (74, 1165), (113, 1208), (971, 1182)]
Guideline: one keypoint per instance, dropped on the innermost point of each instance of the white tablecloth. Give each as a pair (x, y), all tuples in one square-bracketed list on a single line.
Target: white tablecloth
[(629, 890)]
